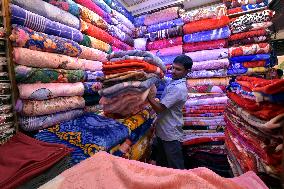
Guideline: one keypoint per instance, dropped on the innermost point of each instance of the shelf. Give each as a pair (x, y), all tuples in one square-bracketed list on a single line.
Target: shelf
[(246, 12)]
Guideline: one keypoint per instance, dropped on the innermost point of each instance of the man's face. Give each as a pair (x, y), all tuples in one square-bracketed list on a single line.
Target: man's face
[(178, 71)]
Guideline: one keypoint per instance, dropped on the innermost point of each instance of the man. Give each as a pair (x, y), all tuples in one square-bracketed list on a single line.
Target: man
[(170, 117)]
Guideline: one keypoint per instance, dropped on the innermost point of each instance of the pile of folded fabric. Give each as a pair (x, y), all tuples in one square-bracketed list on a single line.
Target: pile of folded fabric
[(56, 77), (29, 163), (255, 119), (205, 40), (250, 51), (240, 6)]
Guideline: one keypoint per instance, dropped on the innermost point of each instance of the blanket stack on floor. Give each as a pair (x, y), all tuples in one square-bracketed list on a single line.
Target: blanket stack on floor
[(255, 119), (206, 31), (250, 51), (240, 6), (56, 76)]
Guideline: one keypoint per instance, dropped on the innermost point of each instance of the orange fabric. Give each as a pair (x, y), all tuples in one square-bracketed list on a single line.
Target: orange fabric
[(245, 35), (207, 24), (254, 64)]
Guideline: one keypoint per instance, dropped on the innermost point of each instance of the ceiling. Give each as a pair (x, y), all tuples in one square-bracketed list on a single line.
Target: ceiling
[(137, 7)]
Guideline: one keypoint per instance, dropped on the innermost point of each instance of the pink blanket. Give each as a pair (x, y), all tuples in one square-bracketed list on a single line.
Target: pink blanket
[(106, 171), (170, 51)]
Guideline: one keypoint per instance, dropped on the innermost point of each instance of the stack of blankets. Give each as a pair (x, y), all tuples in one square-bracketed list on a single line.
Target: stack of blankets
[(240, 6), (206, 31), (161, 34), (56, 76), (255, 119), (250, 51)]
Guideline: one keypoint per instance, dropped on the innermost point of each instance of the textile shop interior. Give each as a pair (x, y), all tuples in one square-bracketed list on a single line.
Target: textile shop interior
[(76, 76)]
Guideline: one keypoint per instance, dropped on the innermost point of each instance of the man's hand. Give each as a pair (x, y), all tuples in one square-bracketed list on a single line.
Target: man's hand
[(152, 93)]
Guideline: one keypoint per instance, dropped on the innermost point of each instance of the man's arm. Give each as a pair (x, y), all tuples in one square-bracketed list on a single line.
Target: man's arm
[(157, 107)]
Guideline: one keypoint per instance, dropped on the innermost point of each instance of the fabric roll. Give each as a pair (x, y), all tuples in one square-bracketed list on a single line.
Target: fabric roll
[(214, 100), (207, 89), (25, 74), (205, 55), (260, 48), (36, 123), (175, 50), (91, 17), (92, 88), (208, 81), (249, 58), (103, 5), (253, 6), (208, 73), (44, 91), (93, 54), (168, 59), (234, 10), (39, 23), (27, 38), (214, 11), (205, 45), (165, 25), (139, 20), (162, 16), (121, 45), (116, 5), (140, 32), (210, 65), (164, 34), (164, 43), (39, 59), (237, 3), (221, 33), (258, 17), (251, 64), (49, 11), (207, 24), (115, 49), (251, 27), (67, 5), (60, 104), (121, 18), (249, 40), (249, 34), (116, 32), (140, 44), (89, 41), (125, 29)]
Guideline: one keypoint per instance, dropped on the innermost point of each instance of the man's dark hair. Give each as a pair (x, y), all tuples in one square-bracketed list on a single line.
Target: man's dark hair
[(279, 72), (186, 61)]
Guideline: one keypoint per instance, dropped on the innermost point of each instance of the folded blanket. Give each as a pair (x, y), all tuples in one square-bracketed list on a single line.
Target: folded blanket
[(125, 29), (116, 32), (164, 34), (67, 5), (121, 45), (207, 24), (207, 73), (41, 122), (250, 34), (251, 27), (204, 123), (213, 100), (210, 35), (205, 45), (103, 6), (239, 70), (249, 58), (165, 25), (238, 3), (260, 48), (137, 120), (93, 54), (139, 20), (39, 23), (116, 5), (49, 11), (36, 108), (249, 40), (210, 65), (175, 50), (39, 59), (89, 41), (164, 43), (121, 18), (207, 89), (213, 11), (161, 16), (208, 81), (205, 55), (254, 64), (27, 38), (140, 32), (168, 60)]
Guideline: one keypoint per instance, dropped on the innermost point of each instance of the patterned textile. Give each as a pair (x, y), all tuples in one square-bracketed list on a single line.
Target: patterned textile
[(146, 56), (92, 88), (137, 120), (89, 41), (25, 74), (139, 132), (207, 73), (199, 138), (67, 5), (251, 27), (42, 122), (221, 33), (27, 38), (208, 81), (249, 34), (239, 3), (116, 5), (250, 58), (128, 86), (125, 29), (93, 54), (91, 17), (121, 18), (175, 50), (207, 89), (39, 59), (139, 21), (49, 11), (165, 25), (164, 34), (210, 65), (238, 70), (258, 17), (254, 6), (214, 11), (260, 48), (44, 91), (162, 16), (116, 32), (38, 23), (140, 32), (164, 43), (205, 101), (251, 64), (103, 5), (205, 55), (36, 108), (121, 45), (234, 10), (249, 40), (91, 132), (205, 45), (168, 59), (207, 24)]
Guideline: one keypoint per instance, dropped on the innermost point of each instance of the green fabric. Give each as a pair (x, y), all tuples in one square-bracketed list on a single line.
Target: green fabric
[(86, 41)]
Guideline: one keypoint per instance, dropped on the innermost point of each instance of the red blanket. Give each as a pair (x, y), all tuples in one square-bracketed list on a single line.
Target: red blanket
[(205, 45)]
